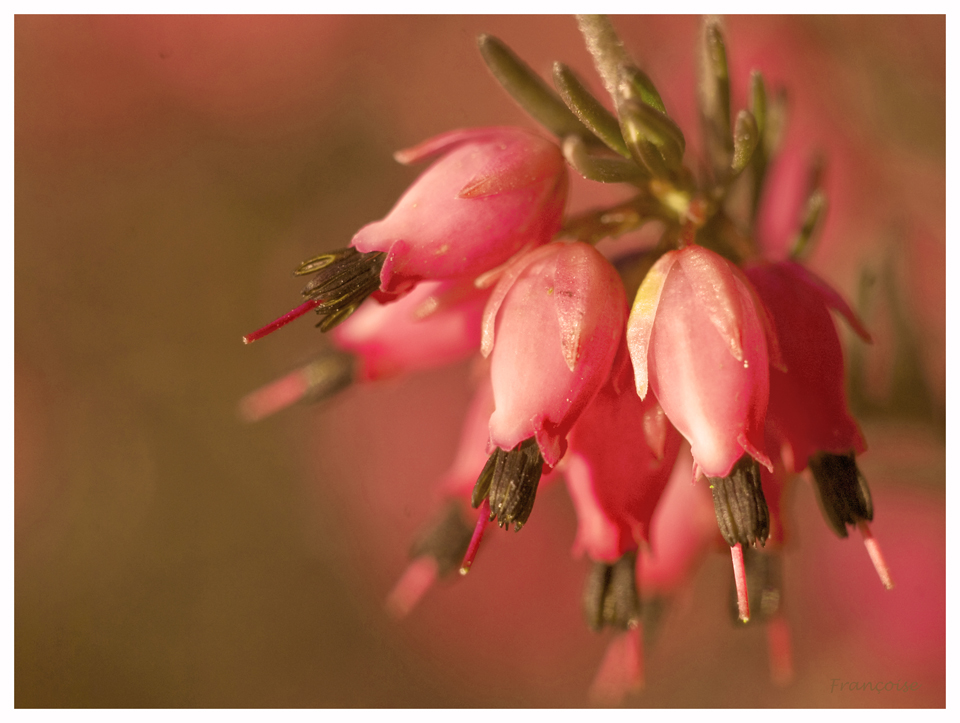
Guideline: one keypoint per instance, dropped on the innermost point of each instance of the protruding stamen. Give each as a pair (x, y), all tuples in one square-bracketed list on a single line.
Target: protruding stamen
[(282, 321), (321, 378), (273, 397), (780, 650), (415, 581), (474, 545), (876, 555), (621, 671), (740, 576)]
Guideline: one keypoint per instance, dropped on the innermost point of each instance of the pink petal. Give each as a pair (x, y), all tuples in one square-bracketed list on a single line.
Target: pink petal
[(442, 143), (507, 279), (527, 165), (573, 269), (714, 284), (829, 295), (642, 315)]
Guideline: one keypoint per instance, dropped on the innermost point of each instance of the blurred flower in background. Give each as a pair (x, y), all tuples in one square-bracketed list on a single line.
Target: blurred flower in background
[(170, 170)]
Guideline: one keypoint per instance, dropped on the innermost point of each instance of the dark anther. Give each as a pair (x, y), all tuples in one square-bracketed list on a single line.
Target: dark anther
[(343, 279), (843, 492), (509, 480), (764, 585), (610, 596), (739, 504), (446, 540)]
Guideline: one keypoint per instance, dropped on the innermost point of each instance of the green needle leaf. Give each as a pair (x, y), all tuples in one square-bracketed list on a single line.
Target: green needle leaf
[(603, 170), (758, 100), (605, 47), (588, 109), (653, 139), (528, 89), (746, 136), (714, 97), (635, 84)]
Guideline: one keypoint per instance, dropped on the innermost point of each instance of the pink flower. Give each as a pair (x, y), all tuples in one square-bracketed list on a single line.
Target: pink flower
[(553, 325), (435, 324), (699, 336), (808, 405), (808, 412), (622, 451), (682, 531), (494, 192)]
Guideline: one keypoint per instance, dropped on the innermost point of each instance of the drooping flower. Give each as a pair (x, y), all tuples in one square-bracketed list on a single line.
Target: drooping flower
[(808, 404), (622, 451), (494, 192), (699, 338), (552, 325), (808, 413)]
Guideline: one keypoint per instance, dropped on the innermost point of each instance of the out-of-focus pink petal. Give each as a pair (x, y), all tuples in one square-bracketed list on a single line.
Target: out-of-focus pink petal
[(808, 407), (472, 451), (828, 294), (615, 476), (394, 338)]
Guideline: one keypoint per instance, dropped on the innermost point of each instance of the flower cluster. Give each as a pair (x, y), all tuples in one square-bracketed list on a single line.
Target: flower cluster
[(727, 366)]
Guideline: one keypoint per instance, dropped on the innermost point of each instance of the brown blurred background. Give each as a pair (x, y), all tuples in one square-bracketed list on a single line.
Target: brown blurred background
[(170, 173)]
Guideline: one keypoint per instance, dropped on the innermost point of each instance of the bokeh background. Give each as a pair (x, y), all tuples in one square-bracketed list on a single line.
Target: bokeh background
[(170, 173)]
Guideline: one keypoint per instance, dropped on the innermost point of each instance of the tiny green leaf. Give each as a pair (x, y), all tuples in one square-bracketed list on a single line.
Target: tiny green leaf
[(603, 170), (745, 139), (605, 47), (758, 100), (815, 210), (714, 97), (588, 109), (653, 139), (528, 89), (636, 84)]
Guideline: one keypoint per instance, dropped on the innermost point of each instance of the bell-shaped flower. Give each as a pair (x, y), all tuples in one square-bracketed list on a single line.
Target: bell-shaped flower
[(622, 451), (493, 192), (437, 323), (808, 405), (808, 411), (700, 338), (552, 325)]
